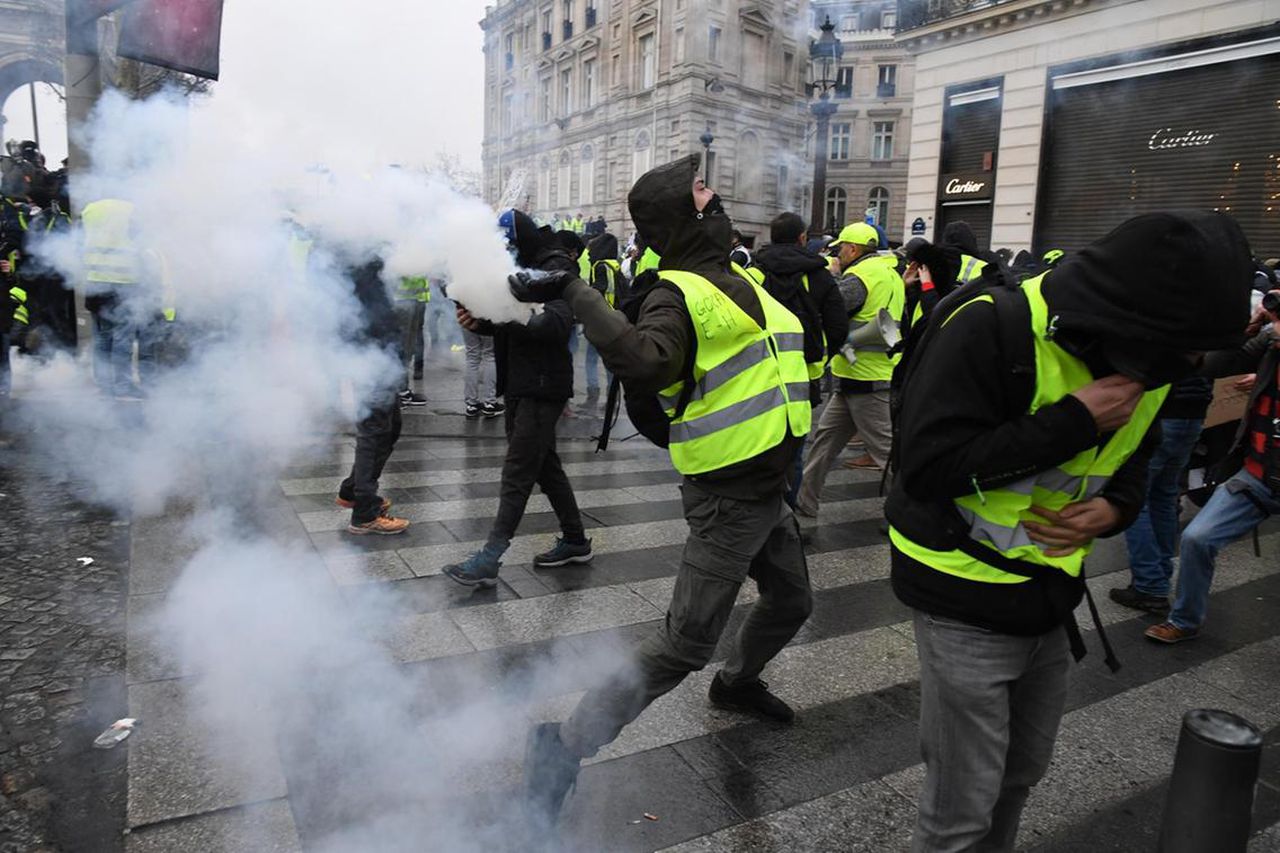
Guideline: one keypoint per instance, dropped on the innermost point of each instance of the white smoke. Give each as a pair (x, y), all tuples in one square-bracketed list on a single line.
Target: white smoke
[(266, 364)]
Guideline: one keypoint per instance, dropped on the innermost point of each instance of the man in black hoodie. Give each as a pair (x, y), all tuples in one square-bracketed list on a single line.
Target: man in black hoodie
[(535, 372), (1005, 480), (379, 427), (788, 265), (735, 465)]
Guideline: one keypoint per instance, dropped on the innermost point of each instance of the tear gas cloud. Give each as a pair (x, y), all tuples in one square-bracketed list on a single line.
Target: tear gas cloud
[(269, 369)]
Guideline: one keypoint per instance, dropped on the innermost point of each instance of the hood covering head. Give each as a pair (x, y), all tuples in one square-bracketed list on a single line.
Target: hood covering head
[(1158, 285), (960, 235), (571, 242), (531, 240), (603, 248), (661, 205)]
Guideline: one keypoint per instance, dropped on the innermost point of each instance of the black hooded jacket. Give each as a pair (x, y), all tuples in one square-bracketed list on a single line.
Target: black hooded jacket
[(656, 351), (532, 359), (605, 248), (786, 264), (1172, 283)]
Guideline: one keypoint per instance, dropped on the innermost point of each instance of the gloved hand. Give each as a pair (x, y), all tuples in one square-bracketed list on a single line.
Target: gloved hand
[(543, 287)]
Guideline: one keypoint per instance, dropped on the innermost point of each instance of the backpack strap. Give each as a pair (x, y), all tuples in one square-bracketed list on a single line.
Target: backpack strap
[(648, 282)]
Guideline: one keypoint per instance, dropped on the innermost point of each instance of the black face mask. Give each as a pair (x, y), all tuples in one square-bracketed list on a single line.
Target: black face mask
[(713, 208), (1152, 366)]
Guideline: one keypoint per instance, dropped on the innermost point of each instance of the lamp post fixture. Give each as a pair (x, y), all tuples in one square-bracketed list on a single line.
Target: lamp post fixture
[(706, 139), (825, 55)]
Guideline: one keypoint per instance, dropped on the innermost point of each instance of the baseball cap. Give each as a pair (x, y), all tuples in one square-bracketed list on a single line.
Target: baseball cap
[(859, 233)]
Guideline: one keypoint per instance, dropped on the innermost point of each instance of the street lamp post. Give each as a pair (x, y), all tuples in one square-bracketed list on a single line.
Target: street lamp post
[(825, 54), (706, 139)]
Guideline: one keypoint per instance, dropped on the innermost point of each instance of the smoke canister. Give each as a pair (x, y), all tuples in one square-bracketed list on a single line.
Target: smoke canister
[(1210, 800)]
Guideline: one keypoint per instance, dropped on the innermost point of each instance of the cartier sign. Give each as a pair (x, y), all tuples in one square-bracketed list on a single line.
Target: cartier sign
[(1168, 137), (975, 186)]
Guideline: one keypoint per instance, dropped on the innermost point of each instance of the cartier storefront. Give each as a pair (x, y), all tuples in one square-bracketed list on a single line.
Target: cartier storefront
[(1196, 128)]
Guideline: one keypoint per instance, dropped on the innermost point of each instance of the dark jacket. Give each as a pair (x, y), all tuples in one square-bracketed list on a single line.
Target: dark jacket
[(960, 429), (1258, 355), (532, 359), (377, 323), (785, 265), (656, 351)]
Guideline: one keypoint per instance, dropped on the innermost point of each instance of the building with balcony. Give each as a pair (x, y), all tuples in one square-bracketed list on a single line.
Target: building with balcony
[(1046, 123), (584, 96), (870, 132)]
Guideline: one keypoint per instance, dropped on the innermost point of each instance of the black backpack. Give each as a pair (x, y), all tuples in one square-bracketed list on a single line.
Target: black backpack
[(1017, 344), (644, 410), (796, 298)]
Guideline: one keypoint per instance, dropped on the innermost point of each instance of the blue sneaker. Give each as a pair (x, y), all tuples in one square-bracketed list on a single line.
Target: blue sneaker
[(564, 553), (480, 569)]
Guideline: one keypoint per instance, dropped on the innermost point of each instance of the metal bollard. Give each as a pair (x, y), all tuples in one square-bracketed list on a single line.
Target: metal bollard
[(1210, 799)]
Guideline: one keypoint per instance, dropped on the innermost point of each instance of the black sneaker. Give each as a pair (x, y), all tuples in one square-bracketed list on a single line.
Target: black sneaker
[(1130, 597), (564, 553), (550, 772), (472, 410), (411, 398), (753, 698), (493, 408)]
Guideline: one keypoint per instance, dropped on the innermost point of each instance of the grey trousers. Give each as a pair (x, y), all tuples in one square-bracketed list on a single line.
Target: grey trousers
[(990, 705), (729, 541), (844, 416), (481, 373)]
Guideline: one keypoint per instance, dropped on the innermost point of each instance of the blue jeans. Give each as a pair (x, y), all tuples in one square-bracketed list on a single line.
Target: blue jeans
[(1153, 538), (124, 330), (1229, 515), (591, 362)]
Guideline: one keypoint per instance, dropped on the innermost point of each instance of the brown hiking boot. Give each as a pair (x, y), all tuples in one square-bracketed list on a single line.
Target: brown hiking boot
[(346, 504), (1169, 633), (383, 525), (862, 463)]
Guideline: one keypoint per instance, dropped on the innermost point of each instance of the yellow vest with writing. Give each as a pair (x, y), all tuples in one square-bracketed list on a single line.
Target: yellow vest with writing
[(751, 387)]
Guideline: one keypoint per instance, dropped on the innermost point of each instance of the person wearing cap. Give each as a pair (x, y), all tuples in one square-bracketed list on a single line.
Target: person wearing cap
[(870, 284)]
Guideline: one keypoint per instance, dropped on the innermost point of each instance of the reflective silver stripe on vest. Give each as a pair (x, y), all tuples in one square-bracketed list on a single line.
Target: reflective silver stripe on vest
[(968, 268), (798, 392), (740, 412), (790, 341), (722, 373), (1005, 539)]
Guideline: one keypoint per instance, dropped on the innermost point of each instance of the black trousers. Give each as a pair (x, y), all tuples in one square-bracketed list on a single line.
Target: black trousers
[(376, 437), (531, 458)]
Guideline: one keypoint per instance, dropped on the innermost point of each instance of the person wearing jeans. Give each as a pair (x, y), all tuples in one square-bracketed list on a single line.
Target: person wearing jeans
[(1243, 502), (479, 392), (1153, 539)]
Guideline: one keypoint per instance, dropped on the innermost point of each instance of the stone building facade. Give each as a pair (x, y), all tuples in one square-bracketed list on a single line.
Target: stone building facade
[(31, 44), (870, 135), (1046, 123), (584, 96)]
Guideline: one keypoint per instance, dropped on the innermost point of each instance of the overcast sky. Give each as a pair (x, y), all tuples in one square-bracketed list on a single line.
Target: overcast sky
[(393, 80)]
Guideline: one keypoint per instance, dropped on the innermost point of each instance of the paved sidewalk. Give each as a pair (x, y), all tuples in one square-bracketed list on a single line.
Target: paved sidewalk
[(844, 777)]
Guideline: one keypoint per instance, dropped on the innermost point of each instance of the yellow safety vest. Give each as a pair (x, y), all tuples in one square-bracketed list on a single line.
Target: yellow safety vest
[(750, 384), (995, 517), (299, 257), (19, 297), (815, 368), (884, 290), (584, 267), (612, 270), (414, 288), (970, 268), (110, 256), (648, 261)]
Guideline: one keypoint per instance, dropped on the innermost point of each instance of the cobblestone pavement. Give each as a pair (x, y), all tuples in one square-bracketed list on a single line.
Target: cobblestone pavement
[(61, 664)]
